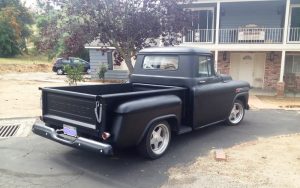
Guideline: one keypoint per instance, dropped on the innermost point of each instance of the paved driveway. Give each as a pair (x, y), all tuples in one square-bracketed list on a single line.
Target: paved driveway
[(37, 162)]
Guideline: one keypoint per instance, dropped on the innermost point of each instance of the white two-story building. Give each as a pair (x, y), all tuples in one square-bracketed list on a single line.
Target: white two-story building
[(253, 40)]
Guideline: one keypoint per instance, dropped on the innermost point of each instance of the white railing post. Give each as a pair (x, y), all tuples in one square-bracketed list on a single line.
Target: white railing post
[(286, 20), (217, 31)]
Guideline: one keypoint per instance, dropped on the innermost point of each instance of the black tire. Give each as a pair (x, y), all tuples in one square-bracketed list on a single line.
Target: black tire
[(236, 117), (59, 71), (147, 149)]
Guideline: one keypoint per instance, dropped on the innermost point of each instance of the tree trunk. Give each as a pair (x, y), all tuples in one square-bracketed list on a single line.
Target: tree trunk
[(129, 65)]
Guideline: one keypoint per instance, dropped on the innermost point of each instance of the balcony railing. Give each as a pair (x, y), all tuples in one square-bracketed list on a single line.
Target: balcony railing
[(294, 34), (251, 35), (241, 35), (200, 35)]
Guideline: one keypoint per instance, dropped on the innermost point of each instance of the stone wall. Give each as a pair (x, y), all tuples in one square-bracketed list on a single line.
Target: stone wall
[(272, 70), (223, 64)]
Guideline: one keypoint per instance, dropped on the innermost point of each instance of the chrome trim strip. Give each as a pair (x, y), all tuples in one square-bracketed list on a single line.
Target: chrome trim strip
[(70, 121)]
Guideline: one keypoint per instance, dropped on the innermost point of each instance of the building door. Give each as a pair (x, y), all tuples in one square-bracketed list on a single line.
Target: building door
[(248, 67)]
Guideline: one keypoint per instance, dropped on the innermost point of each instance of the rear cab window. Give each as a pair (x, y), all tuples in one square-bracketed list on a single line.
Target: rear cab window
[(161, 62), (204, 68)]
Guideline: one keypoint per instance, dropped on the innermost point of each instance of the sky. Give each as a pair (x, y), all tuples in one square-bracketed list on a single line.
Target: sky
[(29, 3)]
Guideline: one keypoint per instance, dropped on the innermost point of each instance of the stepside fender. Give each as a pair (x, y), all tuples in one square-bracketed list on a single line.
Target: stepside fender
[(133, 118), (169, 118), (244, 96)]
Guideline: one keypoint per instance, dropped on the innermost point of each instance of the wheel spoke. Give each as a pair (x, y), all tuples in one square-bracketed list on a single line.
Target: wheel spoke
[(158, 132), (152, 141), (155, 145), (160, 139), (234, 116), (236, 112)]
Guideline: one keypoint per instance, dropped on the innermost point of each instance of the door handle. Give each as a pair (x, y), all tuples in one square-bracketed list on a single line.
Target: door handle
[(201, 81)]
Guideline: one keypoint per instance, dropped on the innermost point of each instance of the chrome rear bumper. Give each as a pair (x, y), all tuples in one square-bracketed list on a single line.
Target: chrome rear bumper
[(41, 129)]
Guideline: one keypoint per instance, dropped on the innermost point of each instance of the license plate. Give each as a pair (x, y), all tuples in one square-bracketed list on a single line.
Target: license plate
[(70, 131)]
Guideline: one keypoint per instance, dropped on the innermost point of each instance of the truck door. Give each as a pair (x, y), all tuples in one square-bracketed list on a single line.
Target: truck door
[(212, 98)]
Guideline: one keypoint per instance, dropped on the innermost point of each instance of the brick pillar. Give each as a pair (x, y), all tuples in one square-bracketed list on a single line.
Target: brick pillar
[(280, 89)]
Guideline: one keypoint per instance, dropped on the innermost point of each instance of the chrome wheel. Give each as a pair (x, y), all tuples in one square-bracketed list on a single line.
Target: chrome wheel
[(159, 139), (237, 113)]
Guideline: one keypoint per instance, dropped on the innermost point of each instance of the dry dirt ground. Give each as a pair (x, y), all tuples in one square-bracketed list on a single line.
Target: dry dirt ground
[(11, 68), (20, 94), (267, 162), (287, 102)]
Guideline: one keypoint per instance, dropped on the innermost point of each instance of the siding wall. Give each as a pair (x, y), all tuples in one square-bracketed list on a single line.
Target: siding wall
[(295, 1), (96, 59), (264, 14)]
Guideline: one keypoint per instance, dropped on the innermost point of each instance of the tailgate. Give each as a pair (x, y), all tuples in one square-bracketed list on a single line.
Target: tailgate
[(72, 108)]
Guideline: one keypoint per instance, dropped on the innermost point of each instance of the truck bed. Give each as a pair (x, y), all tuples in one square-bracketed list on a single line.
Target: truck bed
[(83, 106)]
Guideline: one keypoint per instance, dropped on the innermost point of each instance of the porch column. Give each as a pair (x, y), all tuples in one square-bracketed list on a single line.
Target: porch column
[(286, 21), (282, 66), (216, 60), (280, 84), (217, 23)]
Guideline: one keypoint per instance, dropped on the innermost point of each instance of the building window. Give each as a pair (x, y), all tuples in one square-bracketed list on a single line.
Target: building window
[(292, 64)]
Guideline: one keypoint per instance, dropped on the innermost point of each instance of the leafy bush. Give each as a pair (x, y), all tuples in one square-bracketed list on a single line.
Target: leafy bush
[(74, 74), (102, 71)]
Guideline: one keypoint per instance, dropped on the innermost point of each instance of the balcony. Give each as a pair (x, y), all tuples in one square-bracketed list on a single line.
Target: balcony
[(239, 36), (294, 35), (242, 36)]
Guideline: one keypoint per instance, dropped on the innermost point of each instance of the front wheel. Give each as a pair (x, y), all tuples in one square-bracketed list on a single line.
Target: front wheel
[(59, 71), (156, 141), (237, 113), (88, 71)]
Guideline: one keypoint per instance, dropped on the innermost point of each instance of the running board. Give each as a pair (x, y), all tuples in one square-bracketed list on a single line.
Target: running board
[(184, 129)]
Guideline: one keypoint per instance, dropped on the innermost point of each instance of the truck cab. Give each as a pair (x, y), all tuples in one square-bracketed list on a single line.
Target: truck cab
[(172, 89)]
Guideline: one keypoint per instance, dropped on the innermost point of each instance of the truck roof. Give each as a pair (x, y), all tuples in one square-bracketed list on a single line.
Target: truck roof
[(175, 49)]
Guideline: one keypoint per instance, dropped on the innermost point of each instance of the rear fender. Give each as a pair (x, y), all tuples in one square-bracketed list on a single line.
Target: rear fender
[(133, 118), (171, 118)]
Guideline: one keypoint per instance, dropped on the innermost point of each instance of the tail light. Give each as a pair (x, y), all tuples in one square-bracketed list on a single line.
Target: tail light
[(105, 135)]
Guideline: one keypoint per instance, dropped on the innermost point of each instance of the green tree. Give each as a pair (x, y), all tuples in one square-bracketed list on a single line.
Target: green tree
[(15, 20), (126, 25)]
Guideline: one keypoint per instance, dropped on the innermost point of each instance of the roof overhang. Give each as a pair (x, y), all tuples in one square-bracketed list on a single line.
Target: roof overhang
[(100, 47), (225, 1)]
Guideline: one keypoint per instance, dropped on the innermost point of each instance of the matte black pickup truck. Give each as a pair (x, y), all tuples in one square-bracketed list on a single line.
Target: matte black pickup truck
[(172, 90)]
